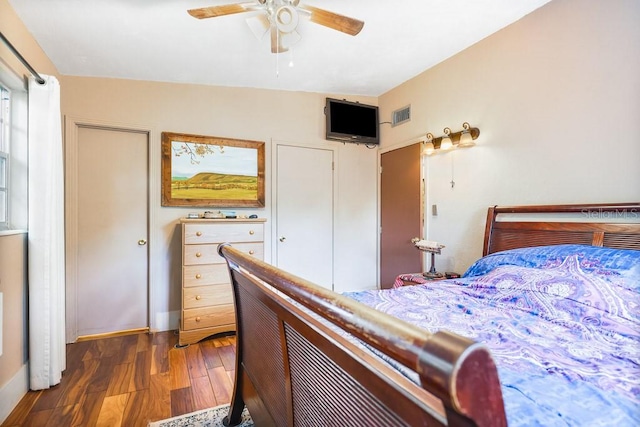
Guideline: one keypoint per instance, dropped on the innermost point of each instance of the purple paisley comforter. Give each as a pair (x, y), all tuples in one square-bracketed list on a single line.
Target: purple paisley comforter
[(562, 322)]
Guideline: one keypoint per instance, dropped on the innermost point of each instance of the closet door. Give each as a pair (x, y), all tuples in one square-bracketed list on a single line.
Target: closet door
[(112, 228), (401, 213), (304, 212)]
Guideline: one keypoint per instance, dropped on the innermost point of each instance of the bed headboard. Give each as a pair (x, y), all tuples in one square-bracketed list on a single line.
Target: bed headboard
[(608, 225)]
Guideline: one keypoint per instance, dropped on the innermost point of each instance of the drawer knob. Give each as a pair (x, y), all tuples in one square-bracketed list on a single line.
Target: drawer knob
[(198, 319), (252, 232), (198, 297), (198, 233), (251, 252), (198, 254), (198, 276)]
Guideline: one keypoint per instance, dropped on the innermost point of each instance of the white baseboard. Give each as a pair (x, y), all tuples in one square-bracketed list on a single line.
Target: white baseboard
[(166, 321), (13, 391)]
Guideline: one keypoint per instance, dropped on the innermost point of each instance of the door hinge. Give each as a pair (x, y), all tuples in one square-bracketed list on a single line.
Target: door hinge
[(380, 170)]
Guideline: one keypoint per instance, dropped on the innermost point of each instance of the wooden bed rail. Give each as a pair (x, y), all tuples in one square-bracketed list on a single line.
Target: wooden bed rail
[(293, 368), (511, 234), (576, 208)]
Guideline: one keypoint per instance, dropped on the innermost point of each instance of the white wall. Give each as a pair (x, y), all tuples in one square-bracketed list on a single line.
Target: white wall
[(556, 96), (13, 286), (241, 113)]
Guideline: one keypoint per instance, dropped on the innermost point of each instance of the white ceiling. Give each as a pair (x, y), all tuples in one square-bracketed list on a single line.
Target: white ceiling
[(157, 40)]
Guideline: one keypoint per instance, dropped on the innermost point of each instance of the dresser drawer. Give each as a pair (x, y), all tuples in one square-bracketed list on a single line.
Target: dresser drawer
[(198, 275), (208, 254), (205, 317), (220, 233), (206, 296), (201, 254)]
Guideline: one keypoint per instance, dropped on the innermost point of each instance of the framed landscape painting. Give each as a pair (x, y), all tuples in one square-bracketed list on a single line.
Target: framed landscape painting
[(208, 171)]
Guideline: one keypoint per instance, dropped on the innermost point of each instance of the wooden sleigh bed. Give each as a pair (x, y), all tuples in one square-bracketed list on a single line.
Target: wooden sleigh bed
[(307, 356)]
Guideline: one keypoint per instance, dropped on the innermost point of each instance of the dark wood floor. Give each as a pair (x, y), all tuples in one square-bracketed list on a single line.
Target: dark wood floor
[(131, 380)]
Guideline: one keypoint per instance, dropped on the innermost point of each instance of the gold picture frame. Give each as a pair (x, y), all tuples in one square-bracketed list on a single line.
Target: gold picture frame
[(209, 171)]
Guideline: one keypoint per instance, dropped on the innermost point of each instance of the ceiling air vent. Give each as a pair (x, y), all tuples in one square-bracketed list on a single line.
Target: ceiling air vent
[(401, 116)]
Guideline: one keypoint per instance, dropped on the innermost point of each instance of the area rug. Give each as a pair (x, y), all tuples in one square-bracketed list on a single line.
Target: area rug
[(211, 417)]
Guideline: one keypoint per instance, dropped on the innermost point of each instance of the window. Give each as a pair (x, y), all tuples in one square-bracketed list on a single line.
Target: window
[(5, 102)]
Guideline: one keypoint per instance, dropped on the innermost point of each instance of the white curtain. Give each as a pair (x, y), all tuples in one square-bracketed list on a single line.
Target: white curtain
[(47, 358)]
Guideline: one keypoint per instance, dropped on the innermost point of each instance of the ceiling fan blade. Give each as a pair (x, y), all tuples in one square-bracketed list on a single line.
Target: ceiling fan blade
[(222, 10), (334, 21)]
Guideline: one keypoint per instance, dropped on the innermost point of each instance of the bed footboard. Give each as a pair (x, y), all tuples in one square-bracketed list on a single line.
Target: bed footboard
[(299, 365)]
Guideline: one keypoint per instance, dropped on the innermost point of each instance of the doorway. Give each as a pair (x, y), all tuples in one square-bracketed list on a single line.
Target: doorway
[(107, 229), (401, 213)]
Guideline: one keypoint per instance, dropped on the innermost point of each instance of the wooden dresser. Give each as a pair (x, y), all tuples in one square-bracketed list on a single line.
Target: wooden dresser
[(207, 299)]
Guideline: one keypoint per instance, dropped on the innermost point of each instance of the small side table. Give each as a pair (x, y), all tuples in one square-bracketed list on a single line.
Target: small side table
[(419, 278)]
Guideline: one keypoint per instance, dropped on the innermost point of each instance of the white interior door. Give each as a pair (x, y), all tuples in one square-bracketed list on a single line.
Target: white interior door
[(304, 213), (112, 229)]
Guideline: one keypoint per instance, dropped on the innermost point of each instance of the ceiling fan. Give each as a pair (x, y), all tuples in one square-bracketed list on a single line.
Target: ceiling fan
[(280, 18)]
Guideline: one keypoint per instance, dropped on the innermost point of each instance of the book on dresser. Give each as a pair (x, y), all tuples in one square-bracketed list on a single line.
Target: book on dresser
[(207, 298)]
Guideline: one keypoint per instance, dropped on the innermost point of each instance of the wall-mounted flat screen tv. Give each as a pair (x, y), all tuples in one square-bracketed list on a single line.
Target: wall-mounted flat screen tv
[(351, 122)]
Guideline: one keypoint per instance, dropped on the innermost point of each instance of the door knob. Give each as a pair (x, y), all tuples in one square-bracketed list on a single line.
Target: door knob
[(142, 242), (282, 239)]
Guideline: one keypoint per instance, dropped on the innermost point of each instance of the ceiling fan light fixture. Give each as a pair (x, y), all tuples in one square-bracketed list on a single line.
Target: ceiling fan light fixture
[(286, 18), (281, 42), (259, 25), (287, 40)]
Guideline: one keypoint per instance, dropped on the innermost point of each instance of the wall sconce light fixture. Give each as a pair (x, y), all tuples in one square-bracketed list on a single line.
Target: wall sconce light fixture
[(465, 138), (429, 147), (445, 142)]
